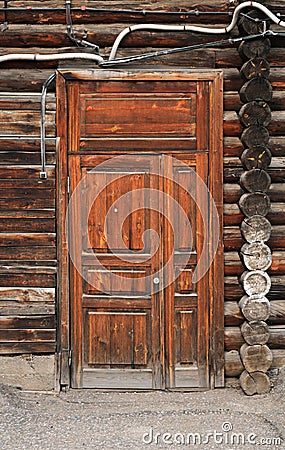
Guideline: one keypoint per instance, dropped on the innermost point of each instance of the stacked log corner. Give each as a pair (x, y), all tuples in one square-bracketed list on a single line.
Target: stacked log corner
[(255, 116)]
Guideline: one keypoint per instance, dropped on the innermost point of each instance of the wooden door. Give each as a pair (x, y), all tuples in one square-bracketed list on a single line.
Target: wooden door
[(139, 151)]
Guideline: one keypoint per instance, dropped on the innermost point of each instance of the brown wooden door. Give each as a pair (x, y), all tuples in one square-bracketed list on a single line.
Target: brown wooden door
[(140, 211)]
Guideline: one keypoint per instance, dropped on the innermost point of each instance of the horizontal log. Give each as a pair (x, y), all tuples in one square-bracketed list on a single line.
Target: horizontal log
[(233, 239), (29, 184), (24, 36), (52, 12), (27, 203), (8, 172), (234, 147), (26, 122), (27, 239), (15, 308), (27, 295), (234, 266), (28, 214), (234, 339), (233, 127), (12, 348), (28, 253), (233, 366), (22, 322), (27, 193), (232, 101), (27, 225), (234, 317), (25, 158), (234, 291), (28, 280), (233, 215), (22, 102), (26, 335), (233, 169), (25, 144)]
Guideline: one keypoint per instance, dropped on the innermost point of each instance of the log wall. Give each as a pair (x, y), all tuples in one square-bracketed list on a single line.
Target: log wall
[(28, 265)]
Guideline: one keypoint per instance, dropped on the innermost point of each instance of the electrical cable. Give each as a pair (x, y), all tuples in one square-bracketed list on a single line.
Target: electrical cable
[(236, 13), (212, 44)]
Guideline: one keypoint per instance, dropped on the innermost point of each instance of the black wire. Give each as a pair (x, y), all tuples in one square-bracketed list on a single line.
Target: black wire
[(70, 31), (212, 44)]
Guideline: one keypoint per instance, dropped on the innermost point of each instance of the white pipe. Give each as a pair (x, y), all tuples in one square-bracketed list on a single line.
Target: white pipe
[(52, 57), (198, 29)]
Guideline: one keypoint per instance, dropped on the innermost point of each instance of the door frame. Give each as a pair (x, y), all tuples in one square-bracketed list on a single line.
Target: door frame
[(215, 184)]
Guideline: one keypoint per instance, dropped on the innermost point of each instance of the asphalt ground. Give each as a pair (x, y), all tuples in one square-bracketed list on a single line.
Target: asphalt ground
[(88, 419)]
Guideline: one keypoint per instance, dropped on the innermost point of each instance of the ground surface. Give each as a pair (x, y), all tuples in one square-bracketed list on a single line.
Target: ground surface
[(108, 420)]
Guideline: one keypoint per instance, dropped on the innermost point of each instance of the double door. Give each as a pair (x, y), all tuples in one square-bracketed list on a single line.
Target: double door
[(143, 233)]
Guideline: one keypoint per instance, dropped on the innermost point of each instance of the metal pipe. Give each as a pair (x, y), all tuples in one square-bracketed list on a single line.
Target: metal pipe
[(43, 173), (194, 28), (50, 57)]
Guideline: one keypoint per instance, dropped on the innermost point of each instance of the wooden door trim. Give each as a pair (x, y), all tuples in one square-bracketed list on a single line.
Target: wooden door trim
[(216, 307)]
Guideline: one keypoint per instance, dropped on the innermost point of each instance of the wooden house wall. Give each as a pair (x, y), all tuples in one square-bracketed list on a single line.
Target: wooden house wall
[(28, 262)]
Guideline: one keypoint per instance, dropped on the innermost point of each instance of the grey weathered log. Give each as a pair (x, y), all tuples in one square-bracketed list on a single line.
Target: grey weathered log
[(257, 48), (252, 22), (255, 307), (255, 113), (233, 363), (254, 383), (255, 180), (255, 282), (253, 204), (256, 89), (256, 358), (234, 367), (255, 135), (255, 67), (256, 229), (258, 157), (256, 256), (255, 332)]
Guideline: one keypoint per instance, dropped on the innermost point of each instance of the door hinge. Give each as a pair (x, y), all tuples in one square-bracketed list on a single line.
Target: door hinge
[(68, 185), (69, 358)]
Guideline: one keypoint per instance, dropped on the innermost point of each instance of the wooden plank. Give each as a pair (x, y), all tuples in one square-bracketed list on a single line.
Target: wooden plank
[(27, 294), (29, 322), (26, 335), (27, 239), (27, 225), (20, 308), (31, 101), (29, 280), (26, 122), (141, 352), (24, 172), (121, 338), (99, 338), (28, 253), (12, 348), (22, 158)]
